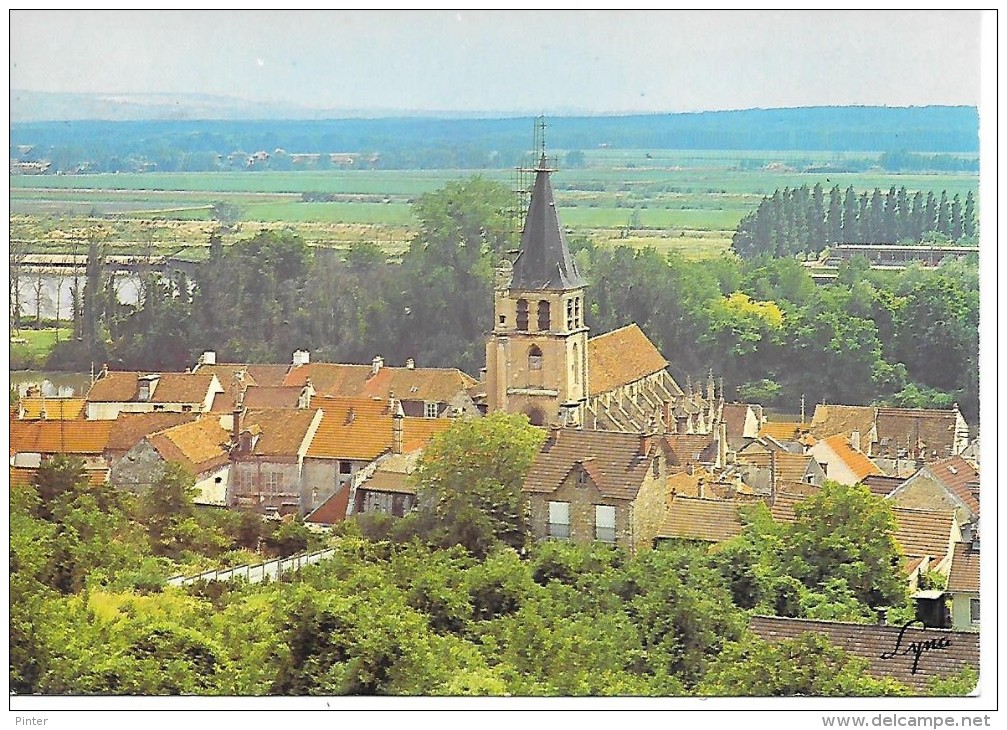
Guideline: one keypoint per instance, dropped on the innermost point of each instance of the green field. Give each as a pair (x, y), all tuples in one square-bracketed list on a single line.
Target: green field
[(658, 195), (30, 347)]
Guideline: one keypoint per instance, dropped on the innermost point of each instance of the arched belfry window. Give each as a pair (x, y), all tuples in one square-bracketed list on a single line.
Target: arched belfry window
[(534, 358), (522, 314), (544, 322)]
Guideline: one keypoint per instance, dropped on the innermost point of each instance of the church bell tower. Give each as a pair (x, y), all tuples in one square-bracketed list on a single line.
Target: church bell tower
[(536, 356)]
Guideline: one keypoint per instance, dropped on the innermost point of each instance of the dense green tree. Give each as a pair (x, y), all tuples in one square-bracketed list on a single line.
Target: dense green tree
[(470, 479), (808, 666)]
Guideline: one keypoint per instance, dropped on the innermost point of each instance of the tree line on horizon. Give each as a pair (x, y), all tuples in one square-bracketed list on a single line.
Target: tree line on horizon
[(801, 220)]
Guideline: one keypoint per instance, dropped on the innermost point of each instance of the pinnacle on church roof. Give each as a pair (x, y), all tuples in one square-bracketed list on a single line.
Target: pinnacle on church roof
[(545, 261)]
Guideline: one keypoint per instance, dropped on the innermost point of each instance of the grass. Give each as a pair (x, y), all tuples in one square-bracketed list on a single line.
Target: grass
[(35, 346)]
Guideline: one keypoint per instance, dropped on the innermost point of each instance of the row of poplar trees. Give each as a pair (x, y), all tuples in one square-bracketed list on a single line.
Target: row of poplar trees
[(801, 220)]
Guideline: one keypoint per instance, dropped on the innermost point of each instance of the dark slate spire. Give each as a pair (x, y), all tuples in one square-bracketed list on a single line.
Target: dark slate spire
[(545, 261)]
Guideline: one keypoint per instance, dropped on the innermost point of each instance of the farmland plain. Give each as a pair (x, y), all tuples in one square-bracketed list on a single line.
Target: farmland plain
[(685, 201)]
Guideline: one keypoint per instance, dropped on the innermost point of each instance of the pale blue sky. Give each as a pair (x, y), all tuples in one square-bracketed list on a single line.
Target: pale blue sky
[(516, 61)]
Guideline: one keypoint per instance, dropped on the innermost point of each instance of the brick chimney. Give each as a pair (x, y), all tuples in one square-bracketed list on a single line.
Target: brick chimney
[(855, 439), (410, 364), (301, 357), (376, 364)]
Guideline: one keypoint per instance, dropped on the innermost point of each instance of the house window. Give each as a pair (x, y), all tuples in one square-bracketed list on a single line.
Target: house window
[(974, 610), (186, 409), (430, 409), (581, 477), (522, 315), (559, 520), (544, 322), (575, 364), (570, 321), (274, 482), (604, 523), (534, 358), (246, 482), (345, 467)]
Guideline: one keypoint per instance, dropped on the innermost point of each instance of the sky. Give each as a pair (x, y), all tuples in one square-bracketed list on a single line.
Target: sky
[(507, 61)]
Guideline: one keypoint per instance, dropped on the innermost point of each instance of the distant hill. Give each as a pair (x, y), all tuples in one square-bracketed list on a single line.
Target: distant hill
[(422, 142)]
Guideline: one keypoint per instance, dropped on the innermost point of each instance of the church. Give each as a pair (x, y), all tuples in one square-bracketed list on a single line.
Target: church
[(540, 360)]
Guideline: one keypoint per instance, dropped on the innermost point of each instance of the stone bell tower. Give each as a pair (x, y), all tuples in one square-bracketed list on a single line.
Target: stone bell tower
[(536, 356)]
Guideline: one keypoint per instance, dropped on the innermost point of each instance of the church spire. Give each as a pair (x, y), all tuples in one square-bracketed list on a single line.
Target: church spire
[(545, 261)]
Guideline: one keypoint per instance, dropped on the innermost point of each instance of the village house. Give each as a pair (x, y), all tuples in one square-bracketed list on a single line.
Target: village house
[(769, 472), (701, 520), (200, 447), (351, 435), (267, 460), (587, 485), (885, 647), (130, 428), (116, 392), (33, 442), (843, 461), (387, 487), (963, 585), (950, 483)]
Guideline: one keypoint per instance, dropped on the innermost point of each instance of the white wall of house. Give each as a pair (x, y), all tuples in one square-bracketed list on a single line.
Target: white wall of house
[(212, 486), (961, 612)]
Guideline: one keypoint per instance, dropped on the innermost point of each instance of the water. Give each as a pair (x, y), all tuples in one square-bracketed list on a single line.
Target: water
[(53, 384), (57, 288)]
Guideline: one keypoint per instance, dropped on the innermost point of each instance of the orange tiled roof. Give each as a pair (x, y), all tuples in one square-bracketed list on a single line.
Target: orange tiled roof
[(114, 387), (271, 396), (20, 477), (361, 429), (359, 381), (56, 409), (59, 437), (619, 357), (281, 431), (783, 430), (830, 420), (198, 446), (857, 461), (123, 387), (964, 574), (130, 428), (691, 518)]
